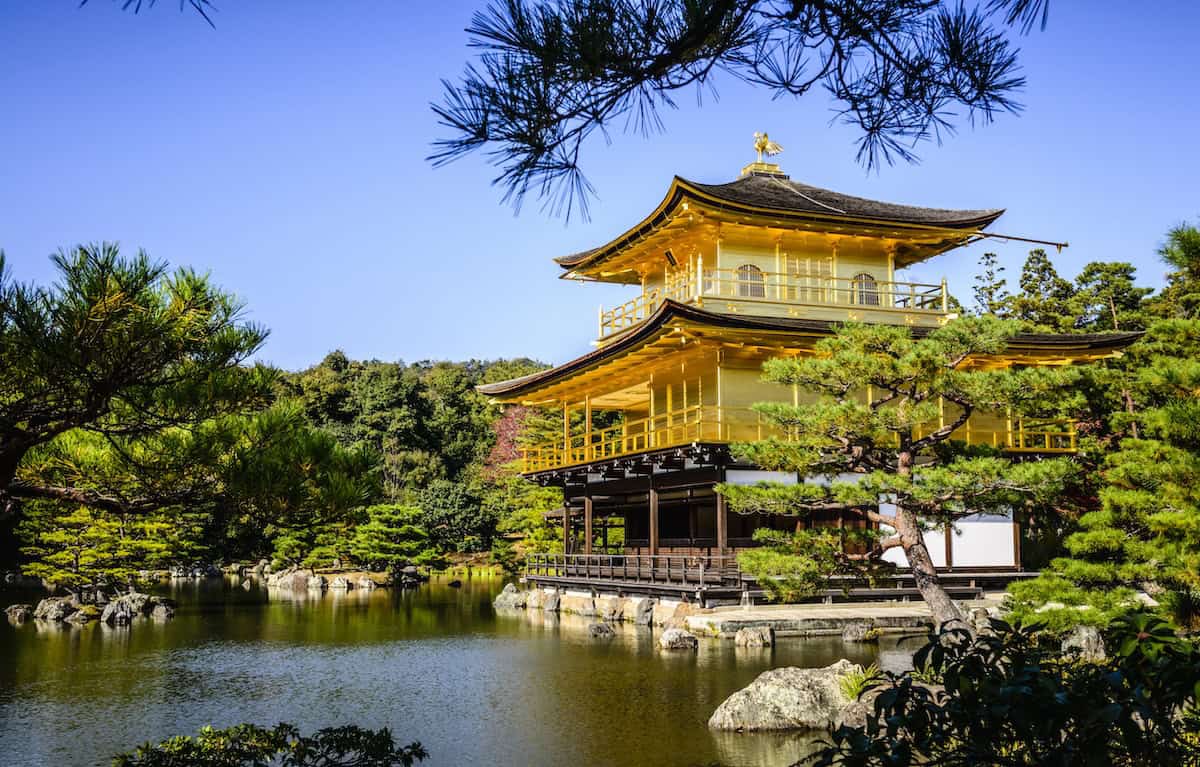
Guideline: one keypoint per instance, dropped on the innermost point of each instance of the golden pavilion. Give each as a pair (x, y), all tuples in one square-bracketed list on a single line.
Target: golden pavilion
[(727, 276)]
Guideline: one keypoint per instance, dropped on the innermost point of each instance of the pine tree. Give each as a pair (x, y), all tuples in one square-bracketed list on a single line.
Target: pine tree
[(1181, 297), (885, 410), (392, 538), (1044, 303), (1145, 536), (991, 293), (1106, 298)]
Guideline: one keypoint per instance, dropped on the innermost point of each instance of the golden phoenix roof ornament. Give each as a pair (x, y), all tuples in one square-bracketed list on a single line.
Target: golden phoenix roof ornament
[(765, 146)]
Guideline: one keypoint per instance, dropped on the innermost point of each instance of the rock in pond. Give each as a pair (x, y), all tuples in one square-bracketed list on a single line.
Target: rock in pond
[(18, 614), (122, 610), (1087, 643), (162, 610), (55, 609), (678, 639), (600, 630), (317, 583), (860, 631), (643, 611), (340, 584), (84, 614), (754, 636), (551, 604), (455, 584), (366, 583), (511, 598), (786, 698)]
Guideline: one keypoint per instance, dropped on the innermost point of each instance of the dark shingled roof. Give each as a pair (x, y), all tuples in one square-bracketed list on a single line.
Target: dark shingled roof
[(670, 310), (778, 194)]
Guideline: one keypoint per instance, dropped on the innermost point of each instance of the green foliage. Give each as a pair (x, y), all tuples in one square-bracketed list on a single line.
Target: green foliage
[(452, 514), (392, 539), (1145, 534), (248, 745), (520, 506), (991, 295), (1009, 698), (886, 406), (127, 351), (80, 547), (551, 75), (793, 566), (1180, 299), (854, 683)]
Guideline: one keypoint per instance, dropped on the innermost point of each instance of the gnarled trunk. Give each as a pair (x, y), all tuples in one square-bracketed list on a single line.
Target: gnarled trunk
[(912, 540)]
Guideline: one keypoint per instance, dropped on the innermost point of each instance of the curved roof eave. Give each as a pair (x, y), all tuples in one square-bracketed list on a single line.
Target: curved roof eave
[(670, 310), (966, 223)]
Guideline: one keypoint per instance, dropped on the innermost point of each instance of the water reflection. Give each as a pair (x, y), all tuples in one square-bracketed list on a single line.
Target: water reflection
[(435, 664)]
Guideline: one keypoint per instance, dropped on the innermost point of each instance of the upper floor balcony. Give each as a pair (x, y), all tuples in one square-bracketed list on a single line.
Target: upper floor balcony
[(723, 425), (749, 290)]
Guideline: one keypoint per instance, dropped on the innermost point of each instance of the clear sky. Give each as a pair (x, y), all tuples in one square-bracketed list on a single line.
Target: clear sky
[(283, 151)]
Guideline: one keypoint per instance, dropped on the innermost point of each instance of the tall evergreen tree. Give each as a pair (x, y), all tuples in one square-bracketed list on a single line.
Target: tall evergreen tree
[(991, 293), (1106, 298), (1045, 299), (1181, 297), (886, 408)]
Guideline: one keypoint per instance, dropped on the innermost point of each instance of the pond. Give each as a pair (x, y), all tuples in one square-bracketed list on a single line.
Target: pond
[(435, 664)]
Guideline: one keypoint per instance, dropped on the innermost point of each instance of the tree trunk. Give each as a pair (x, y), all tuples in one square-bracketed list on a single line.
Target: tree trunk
[(912, 540), (945, 613)]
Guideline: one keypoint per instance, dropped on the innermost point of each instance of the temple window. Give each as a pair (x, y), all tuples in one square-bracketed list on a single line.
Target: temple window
[(750, 282), (864, 290)]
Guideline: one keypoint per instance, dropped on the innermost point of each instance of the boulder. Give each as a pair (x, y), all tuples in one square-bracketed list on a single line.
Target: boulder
[(18, 614), (535, 599), (260, 568), (340, 583), (584, 606), (553, 600), (84, 614), (511, 598), (600, 630), (288, 578), (122, 610), (1086, 642), (610, 609), (178, 571), (755, 636), (859, 631), (671, 614), (162, 610), (55, 609), (678, 639), (316, 583), (786, 698), (643, 612), (366, 583)]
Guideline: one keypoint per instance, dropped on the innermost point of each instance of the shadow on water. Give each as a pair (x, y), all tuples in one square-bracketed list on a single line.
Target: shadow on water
[(436, 664)]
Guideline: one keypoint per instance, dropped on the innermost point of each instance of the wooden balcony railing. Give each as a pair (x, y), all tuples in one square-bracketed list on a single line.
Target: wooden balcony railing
[(709, 423), (698, 572), (778, 288)]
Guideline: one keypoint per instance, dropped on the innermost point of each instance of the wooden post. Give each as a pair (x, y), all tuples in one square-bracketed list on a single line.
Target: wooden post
[(587, 524), (653, 520), (722, 526), (566, 529)]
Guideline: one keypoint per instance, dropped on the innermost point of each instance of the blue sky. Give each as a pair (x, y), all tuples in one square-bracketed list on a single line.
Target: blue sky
[(283, 151)]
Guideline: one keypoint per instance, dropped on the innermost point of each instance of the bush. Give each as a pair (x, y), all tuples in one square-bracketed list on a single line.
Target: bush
[(1010, 697), (248, 745)]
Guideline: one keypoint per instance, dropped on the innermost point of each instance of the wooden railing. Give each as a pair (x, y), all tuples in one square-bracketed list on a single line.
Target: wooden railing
[(696, 284), (709, 423), (660, 569)]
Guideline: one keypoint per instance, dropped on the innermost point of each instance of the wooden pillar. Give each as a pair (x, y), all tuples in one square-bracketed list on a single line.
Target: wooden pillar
[(722, 526), (587, 524), (653, 518), (566, 529)]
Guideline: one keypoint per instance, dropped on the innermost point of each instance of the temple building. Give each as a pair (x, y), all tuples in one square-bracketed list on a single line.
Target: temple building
[(728, 276)]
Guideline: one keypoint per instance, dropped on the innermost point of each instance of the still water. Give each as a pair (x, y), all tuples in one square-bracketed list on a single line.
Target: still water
[(435, 664)]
